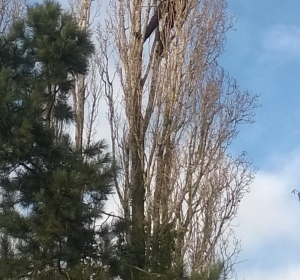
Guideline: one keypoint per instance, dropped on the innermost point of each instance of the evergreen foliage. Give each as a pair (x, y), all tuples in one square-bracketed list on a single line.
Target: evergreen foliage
[(51, 195), (50, 47)]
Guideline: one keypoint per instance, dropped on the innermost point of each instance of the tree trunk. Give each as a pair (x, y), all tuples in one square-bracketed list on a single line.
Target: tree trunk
[(79, 90)]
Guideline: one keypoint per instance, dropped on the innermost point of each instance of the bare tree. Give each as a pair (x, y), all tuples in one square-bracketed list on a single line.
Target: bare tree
[(92, 99), (87, 89), (177, 114), (80, 85), (9, 11)]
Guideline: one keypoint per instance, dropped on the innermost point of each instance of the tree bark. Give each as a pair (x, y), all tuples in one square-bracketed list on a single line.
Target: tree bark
[(80, 90)]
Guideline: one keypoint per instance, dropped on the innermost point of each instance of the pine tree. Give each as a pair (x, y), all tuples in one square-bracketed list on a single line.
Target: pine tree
[(51, 193)]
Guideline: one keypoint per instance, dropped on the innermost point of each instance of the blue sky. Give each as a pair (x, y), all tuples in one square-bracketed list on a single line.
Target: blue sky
[(263, 54)]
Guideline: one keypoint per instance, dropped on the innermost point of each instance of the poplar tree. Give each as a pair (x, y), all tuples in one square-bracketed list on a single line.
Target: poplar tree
[(173, 113)]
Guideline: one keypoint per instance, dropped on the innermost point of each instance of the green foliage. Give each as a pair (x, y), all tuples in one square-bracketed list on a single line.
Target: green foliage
[(212, 273), (51, 195), (51, 204), (160, 266), (48, 49)]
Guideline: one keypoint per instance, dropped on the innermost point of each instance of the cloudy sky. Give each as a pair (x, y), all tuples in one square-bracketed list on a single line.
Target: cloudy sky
[(263, 54)]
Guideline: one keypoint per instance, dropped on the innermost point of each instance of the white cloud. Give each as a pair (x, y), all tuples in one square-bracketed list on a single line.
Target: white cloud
[(291, 272), (270, 211), (282, 40), (269, 220)]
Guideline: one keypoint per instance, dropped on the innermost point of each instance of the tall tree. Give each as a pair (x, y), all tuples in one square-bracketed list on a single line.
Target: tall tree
[(177, 114), (79, 92), (50, 196), (87, 91)]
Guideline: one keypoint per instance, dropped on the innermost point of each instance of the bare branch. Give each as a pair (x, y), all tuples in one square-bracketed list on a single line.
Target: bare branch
[(177, 113)]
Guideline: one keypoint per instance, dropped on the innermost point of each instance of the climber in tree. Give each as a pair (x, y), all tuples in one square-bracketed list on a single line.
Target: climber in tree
[(165, 7)]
